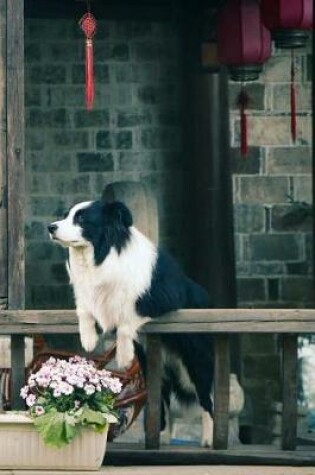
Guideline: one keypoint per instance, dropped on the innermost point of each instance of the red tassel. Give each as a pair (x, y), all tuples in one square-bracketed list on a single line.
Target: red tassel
[(89, 75), (293, 99), (242, 102), (88, 26)]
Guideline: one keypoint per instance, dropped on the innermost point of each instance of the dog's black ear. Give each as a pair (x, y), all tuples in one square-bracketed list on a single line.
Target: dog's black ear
[(117, 213)]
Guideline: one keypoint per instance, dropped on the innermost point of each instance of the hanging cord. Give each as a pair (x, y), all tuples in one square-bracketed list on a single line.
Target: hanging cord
[(242, 103), (293, 98)]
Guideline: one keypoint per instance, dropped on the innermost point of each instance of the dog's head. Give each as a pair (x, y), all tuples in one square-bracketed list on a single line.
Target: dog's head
[(94, 223)]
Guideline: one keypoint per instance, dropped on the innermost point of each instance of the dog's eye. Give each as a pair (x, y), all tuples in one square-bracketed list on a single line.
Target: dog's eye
[(79, 218)]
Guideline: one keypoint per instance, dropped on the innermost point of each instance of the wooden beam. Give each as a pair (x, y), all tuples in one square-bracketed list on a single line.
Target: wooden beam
[(289, 392), (3, 154), (221, 391), (153, 407), (15, 153), (17, 370)]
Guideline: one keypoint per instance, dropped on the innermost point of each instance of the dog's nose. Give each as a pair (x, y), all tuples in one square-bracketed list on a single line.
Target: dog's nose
[(52, 228)]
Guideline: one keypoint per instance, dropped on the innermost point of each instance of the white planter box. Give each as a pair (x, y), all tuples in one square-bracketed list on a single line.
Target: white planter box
[(21, 447)]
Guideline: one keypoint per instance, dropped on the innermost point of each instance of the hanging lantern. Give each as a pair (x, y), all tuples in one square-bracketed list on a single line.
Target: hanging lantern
[(88, 26), (244, 44), (288, 20)]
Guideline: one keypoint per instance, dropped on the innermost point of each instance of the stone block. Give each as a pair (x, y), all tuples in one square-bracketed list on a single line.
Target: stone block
[(303, 188), (266, 268), (278, 67), (38, 183), (298, 289), (275, 130), (47, 206), (251, 289), (35, 230), (249, 165), (63, 52), (42, 250), (299, 268), (32, 96), (66, 184), (259, 344), (39, 162), (274, 247), (133, 117), (95, 162), (264, 189), (123, 139), (47, 74), (273, 289), (71, 139), (249, 218), (256, 95), (121, 95), (104, 139), (94, 118), (135, 73), (131, 29), (47, 118), (290, 218), (281, 97), (154, 138), (156, 94), (153, 51), (288, 161), (35, 139)]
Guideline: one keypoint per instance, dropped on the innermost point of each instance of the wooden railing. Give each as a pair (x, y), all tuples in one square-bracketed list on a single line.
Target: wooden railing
[(222, 322)]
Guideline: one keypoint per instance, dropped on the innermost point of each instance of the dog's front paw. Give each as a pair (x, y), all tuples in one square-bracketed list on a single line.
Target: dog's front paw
[(89, 339), (124, 353)]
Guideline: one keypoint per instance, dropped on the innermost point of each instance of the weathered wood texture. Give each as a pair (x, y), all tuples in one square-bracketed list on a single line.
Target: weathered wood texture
[(190, 320), (3, 153), (221, 391), (289, 391), (18, 370), (153, 407), (15, 153)]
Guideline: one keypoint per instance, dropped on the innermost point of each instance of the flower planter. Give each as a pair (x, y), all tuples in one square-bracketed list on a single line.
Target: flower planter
[(21, 447)]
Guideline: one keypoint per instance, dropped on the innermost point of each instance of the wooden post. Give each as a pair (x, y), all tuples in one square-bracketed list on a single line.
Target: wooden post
[(16, 184), (3, 157), (289, 395), (153, 408), (221, 391)]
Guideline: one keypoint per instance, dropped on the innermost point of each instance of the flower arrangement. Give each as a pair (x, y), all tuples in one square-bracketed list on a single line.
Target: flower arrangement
[(64, 396)]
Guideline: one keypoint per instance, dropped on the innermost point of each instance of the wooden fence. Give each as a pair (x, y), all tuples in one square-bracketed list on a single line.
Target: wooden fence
[(222, 322)]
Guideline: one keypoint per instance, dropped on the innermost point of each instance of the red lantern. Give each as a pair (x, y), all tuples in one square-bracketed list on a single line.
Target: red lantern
[(244, 44), (288, 21)]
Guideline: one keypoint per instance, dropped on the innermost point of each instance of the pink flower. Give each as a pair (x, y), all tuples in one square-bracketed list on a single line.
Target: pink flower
[(89, 389), (57, 392), (24, 392), (39, 410), (30, 400)]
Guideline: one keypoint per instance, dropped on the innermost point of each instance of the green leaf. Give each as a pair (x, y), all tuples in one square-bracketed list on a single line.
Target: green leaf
[(56, 428), (93, 418)]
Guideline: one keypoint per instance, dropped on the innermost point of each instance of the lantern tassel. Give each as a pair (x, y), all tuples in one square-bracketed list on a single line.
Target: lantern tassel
[(293, 99), (89, 74), (242, 102)]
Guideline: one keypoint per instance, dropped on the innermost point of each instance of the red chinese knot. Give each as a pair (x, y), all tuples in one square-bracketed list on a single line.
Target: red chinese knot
[(88, 25)]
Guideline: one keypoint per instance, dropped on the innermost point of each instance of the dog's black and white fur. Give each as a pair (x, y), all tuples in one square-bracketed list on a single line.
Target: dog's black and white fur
[(121, 280)]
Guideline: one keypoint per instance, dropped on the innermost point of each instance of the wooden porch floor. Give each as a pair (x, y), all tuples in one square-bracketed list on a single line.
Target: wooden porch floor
[(172, 470)]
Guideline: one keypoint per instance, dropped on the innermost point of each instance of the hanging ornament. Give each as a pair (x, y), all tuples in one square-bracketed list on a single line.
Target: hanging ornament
[(244, 44), (289, 20), (88, 26)]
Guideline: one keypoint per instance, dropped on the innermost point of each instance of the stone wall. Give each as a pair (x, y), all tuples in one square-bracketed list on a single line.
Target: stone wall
[(273, 239), (133, 133)]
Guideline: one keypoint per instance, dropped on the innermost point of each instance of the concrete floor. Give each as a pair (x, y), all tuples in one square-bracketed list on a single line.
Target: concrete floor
[(177, 470)]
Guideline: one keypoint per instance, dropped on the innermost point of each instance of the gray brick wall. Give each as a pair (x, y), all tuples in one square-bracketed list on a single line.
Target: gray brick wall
[(273, 251), (133, 133)]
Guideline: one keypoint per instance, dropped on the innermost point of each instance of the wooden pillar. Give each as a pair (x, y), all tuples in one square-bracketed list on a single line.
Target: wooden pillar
[(3, 158), (16, 184), (154, 385)]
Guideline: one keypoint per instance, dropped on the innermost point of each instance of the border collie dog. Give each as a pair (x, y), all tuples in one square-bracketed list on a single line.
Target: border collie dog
[(121, 280)]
